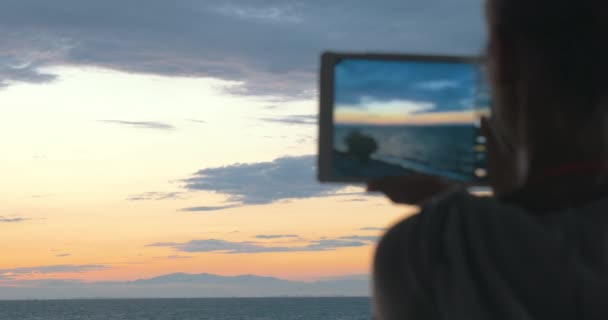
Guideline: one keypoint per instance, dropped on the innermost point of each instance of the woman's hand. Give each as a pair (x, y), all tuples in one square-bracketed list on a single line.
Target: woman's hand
[(416, 189), (413, 189)]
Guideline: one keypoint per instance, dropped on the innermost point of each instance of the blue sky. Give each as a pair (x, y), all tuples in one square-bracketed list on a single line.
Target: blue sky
[(446, 86)]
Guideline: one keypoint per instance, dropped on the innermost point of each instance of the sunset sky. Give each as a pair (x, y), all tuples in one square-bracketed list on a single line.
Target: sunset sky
[(142, 138), (406, 92)]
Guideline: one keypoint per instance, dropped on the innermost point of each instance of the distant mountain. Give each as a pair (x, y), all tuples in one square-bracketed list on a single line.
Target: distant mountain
[(363, 277), (206, 278), (183, 285)]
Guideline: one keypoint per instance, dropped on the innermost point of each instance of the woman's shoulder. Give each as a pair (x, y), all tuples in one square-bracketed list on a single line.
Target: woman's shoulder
[(461, 211), (461, 204), (460, 219), (447, 207)]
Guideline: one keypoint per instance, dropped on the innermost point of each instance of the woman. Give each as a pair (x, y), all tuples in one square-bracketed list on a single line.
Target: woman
[(538, 248)]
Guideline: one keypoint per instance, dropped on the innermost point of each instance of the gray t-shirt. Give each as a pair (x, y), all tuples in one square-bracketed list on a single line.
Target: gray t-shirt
[(467, 257)]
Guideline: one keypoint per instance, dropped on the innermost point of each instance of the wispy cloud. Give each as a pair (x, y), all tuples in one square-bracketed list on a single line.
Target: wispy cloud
[(157, 196), (12, 219), (293, 119), (361, 238), (281, 179), (210, 208), (248, 247), (63, 255), (174, 257), (276, 236), (51, 269), (141, 124), (372, 229), (41, 195), (278, 13)]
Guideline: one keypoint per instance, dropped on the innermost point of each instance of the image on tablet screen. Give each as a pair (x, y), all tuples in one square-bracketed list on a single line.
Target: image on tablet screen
[(393, 118)]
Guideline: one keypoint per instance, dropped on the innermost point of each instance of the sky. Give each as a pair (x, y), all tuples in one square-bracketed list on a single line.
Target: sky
[(147, 138), (405, 92)]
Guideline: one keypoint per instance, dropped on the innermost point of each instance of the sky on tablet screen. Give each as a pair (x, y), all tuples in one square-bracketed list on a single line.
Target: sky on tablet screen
[(404, 92)]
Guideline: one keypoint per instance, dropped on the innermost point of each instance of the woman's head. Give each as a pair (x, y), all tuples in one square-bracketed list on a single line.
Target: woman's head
[(548, 64)]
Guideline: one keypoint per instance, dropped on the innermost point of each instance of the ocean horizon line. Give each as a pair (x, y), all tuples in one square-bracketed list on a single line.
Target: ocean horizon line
[(187, 298)]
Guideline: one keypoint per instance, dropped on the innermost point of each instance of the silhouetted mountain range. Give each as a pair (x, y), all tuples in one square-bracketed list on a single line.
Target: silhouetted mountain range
[(183, 285)]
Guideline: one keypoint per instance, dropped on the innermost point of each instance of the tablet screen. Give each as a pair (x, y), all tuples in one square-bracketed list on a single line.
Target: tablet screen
[(392, 118)]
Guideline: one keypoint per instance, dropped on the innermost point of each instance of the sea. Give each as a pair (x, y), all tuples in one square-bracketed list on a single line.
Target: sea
[(446, 150), (189, 309)]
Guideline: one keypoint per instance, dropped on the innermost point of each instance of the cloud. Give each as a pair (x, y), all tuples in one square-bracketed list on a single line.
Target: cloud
[(141, 124), (52, 269), (41, 195), (177, 257), (4, 219), (270, 46), (23, 54), (262, 183), (408, 88), (361, 238), (294, 119), (438, 85), (157, 196), (230, 247), (271, 14), (372, 229), (63, 255), (209, 208), (232, 206), (276, 236), (356, 200)]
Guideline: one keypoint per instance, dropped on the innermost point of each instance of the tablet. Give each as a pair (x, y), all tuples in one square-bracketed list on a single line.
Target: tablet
[(393, 115)]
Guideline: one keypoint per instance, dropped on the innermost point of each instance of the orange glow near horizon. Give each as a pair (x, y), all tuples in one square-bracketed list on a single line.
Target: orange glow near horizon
[(68, 184), (299, 266)]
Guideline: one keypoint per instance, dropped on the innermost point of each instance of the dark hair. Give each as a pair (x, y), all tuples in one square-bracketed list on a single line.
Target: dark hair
[(560, 77)]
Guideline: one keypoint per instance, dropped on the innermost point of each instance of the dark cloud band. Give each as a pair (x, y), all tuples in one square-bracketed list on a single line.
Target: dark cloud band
[(271, 46)]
